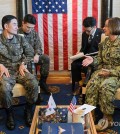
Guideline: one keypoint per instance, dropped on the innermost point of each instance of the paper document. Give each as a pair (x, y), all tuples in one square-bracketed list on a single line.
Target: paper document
[(87, 108), (90, 54), (77, 56), (81, 54)]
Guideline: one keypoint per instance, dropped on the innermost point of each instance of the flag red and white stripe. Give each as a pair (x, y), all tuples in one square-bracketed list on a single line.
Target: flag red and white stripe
[(72, 104), (71, 108), (60, 34)]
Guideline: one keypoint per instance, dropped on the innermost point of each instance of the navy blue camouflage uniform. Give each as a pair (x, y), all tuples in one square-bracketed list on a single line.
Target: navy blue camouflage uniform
[(101, 90)]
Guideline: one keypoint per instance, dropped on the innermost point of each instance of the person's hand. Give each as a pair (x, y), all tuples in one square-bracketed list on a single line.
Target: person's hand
[(22, 70), (4, 70), (77, 52), (87, 61), (104, 73), (36, 58)]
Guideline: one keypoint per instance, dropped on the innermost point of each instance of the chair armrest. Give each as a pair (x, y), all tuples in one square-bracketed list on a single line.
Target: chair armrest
[(18, 90), (117, 95)]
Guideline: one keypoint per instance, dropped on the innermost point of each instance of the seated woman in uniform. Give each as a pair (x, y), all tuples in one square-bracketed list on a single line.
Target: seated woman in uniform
[(104, 82)]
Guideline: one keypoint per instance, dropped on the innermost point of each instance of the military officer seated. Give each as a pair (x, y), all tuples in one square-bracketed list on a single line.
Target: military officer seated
[(15, 52)]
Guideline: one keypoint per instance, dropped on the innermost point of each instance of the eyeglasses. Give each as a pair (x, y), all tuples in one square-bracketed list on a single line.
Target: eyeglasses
[(88, 31), (30, 27)]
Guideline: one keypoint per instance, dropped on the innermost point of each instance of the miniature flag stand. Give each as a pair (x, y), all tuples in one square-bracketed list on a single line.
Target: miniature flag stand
[(74, 122), (71, 109), (76, 115), (51, 106), (72, 104)]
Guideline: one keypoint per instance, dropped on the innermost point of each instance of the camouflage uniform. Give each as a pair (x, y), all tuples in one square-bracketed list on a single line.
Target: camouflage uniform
[(34, 40), (12, 53), (101, 90)]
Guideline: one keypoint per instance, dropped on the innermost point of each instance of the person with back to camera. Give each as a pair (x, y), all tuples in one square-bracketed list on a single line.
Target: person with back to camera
[(15, 52), (90, 39), (27, 29), (104, 82)]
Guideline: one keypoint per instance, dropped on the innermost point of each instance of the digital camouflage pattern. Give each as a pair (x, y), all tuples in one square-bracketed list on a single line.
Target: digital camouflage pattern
[(34, 40), (101, 90), (12, 53)]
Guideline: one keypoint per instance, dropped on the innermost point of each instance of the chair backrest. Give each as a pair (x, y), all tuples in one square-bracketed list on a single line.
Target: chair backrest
[(0, 31)]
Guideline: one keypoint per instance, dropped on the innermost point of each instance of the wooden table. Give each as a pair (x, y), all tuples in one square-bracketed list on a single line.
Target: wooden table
[(90, 127)]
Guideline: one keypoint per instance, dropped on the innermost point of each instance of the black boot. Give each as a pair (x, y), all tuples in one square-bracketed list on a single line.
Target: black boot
[(10, 124), (39, 100), (43, 84), (73, 86), (28, 114), (83, 98)]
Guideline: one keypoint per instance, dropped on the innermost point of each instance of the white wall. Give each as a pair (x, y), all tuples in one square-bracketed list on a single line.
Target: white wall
[(116, 8), (29, 6), (7, 7)]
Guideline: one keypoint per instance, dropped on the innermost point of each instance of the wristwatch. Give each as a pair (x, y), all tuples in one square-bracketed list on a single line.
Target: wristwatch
[(23, 63)]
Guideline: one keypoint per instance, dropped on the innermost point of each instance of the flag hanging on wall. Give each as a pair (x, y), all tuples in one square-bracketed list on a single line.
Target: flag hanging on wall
[(59, 24)]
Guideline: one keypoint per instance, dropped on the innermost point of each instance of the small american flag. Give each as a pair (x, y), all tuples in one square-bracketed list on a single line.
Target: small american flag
[(72, 104)]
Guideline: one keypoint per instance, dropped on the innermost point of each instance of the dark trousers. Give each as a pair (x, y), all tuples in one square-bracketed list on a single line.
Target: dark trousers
[(76, 69), (44, 63)]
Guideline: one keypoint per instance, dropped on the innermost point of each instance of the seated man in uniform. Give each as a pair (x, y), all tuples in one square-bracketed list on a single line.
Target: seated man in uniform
[(15, 52), (90, 40), (27, 29)]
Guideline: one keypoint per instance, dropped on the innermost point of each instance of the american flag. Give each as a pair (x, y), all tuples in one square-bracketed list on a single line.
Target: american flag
[(49, 6), (59, 24), (72, 104)]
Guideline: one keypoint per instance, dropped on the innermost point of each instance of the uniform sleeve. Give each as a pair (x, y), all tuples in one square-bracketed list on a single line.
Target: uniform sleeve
[(37, 44), (28, 51), (115, 60), (115, 72), (4, 52)]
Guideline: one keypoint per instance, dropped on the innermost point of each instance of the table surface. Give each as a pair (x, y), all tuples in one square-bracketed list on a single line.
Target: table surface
[(88, 118)]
